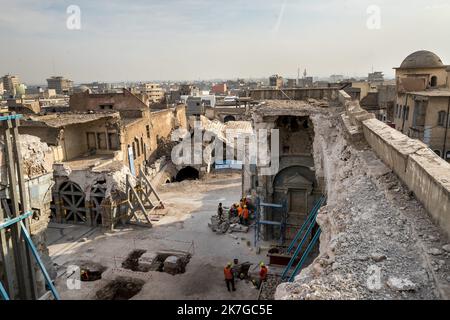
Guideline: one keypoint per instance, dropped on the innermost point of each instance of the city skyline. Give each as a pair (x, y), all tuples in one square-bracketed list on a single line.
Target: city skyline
[(197, 39)]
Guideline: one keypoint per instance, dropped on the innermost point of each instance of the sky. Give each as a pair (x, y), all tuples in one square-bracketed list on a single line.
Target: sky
[(138, 40)]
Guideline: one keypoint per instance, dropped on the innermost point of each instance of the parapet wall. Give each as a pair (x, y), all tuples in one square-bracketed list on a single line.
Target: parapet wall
[(294, 94), (425, 174)]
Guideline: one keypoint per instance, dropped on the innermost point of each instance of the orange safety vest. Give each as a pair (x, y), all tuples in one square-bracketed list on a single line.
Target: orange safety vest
[(228, 274), (245, 213), (263, 273), (239, 211)]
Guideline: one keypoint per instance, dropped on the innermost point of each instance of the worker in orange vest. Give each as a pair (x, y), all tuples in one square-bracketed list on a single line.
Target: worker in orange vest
[(229, 277), (262, 274), (240, 209), (245, 215)]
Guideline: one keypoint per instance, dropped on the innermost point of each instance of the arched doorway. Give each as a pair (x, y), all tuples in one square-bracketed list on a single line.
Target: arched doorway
[(229, 118), (187, 173), (72, 202), (295, 185)]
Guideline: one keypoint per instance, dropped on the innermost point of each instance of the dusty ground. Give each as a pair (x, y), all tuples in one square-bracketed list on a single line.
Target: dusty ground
[(190, 205), (377, 242)]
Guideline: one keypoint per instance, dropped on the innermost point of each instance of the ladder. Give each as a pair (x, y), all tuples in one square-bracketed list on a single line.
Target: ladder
[(309, 224)]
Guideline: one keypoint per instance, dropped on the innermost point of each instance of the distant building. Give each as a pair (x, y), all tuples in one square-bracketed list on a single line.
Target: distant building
[(291, 83), (23, 106), (219, 89), (10, 84), (154, 92), (276, 81), (123, 102), (194, 106), (60, 85), (189, 90), (306, 82), (376, 76), (423, 101)]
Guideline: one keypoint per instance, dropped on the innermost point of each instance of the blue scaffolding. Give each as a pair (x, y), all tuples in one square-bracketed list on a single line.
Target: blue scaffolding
[(18, 220), (304, 232), (262, 220), (20, 247)]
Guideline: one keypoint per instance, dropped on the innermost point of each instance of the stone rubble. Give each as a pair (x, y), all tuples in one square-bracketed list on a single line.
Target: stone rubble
[(377, 240)]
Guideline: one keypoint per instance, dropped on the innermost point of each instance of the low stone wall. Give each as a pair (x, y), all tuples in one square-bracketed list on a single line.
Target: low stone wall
[(294, 94), (425, 174)]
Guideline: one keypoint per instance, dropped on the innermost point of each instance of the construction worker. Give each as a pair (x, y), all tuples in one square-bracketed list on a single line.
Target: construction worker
[(220, 211), (262, 274), (229, 277), (233, 211), (245, 215), (240, 209)]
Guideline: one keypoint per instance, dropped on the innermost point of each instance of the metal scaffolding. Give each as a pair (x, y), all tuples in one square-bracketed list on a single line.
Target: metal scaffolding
[(303, 233), (261, 219), (17, 251)]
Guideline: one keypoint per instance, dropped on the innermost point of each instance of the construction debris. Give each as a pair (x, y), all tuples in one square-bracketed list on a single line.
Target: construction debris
[(226, 224)]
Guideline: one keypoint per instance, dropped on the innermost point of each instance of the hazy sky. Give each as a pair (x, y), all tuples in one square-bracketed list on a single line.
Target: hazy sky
[(192, 39)]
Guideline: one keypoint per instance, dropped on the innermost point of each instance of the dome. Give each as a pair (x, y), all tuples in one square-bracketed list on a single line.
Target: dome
[(82, 88), (421, 59)]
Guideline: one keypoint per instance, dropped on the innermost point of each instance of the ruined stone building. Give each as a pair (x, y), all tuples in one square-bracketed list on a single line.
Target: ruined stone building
[(296, 184), (104, 140), (38, 174), (423, 101)]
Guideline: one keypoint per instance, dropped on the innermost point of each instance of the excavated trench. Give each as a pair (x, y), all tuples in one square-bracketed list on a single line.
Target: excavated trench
[(122, 288)]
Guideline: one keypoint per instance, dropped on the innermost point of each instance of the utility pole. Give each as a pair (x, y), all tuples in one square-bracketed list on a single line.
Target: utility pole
[(446, 131)]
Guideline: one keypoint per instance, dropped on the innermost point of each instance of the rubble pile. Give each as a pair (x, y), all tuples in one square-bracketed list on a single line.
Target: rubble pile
[(269, 287), (226, 224), (377, 240)]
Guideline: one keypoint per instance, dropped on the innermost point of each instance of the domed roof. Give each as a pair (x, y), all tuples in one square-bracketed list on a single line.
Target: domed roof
[(82, 88), (422, 59)]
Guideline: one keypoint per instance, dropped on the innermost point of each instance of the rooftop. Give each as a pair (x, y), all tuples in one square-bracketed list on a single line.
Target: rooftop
[(294, 107), (59, 120)]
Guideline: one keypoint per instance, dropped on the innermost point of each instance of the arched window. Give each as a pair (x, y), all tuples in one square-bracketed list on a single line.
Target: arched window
[(441, 118), (433, 82), (136, 141)]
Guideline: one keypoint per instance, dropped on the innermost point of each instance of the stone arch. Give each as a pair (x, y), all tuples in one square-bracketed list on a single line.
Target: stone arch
[(229, 118), (187, 173), (295, 186), (72, 203)]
